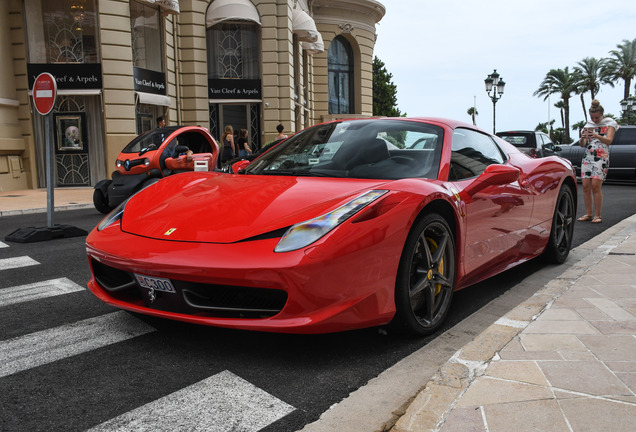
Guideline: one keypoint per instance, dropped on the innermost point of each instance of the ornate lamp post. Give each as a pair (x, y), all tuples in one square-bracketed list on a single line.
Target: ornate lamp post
[(627, 105), (495, 88)]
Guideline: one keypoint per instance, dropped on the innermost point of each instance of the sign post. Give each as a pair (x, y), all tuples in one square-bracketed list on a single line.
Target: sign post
[(44, 94)]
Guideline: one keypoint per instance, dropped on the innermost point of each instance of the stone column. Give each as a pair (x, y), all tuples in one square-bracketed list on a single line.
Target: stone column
[(12, 146)]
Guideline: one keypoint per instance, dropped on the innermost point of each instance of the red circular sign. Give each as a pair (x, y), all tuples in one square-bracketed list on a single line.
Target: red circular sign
[(44, 93)]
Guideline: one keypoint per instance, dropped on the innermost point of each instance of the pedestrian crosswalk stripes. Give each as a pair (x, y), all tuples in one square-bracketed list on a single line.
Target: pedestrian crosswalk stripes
[(222, 402), (38, 290), (17, 262), (47, 346)]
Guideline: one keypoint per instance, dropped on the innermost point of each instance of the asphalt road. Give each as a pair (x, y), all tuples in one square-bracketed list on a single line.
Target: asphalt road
[(154, 365)]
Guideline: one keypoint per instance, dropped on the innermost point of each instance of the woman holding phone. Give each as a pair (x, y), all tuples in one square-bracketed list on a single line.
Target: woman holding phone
[(596, 137)]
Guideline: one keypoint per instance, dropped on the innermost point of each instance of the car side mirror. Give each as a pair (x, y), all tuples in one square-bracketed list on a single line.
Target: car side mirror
[(557, 148), (240, 165), (493, 175)]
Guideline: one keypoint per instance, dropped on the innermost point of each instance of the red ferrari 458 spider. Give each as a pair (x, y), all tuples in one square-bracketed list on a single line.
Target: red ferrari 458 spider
[(347, 224)]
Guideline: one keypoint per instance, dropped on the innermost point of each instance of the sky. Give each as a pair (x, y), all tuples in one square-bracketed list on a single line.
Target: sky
[(440, 53)]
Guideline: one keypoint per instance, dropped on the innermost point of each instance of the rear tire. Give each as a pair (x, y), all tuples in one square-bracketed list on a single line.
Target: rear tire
[(426, 277), (560, 241), (100, 201)]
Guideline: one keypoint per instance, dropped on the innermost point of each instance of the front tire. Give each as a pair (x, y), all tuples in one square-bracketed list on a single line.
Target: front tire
[(426, 277), (560, 241), (100, 201)]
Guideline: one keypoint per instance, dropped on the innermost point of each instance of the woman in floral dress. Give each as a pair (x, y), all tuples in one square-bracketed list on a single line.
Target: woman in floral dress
[(596, 137)]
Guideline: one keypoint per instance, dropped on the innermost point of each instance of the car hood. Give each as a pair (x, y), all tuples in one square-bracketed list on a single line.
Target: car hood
[(226, 208)]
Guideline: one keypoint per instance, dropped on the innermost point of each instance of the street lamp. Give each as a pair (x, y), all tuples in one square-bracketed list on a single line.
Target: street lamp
[(627, 105), (495, 88)]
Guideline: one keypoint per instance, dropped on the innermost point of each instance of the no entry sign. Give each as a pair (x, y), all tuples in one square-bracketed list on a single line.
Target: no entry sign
[(44, 93)]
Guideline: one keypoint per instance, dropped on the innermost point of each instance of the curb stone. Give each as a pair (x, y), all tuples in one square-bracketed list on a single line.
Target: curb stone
[(432, 405)]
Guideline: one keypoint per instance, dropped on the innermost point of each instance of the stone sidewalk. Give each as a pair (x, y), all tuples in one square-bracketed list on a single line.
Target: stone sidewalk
[(35, 200), (564, 360)]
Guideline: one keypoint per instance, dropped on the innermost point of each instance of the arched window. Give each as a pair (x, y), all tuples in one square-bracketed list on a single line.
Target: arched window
[(340, 58), (233, 42)]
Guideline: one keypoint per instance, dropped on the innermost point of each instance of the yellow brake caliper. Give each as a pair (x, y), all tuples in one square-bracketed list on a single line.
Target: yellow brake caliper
[(440, 268)]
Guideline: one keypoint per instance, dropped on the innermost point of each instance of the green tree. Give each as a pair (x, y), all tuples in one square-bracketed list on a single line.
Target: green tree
[(558, 136), (578, 126), (543, 126), (590, 74), (547, 128), (562, 82), (384, 91), (472, 112), (622, 64)]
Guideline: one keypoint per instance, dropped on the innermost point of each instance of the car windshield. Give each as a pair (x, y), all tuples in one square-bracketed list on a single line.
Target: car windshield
[(147, 141), (373, 148)]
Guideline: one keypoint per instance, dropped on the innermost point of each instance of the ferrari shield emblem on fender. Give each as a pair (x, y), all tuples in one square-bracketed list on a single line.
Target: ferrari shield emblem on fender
[(170, 231)]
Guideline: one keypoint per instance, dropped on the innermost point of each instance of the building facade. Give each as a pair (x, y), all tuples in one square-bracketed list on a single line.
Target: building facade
[(121, 64)]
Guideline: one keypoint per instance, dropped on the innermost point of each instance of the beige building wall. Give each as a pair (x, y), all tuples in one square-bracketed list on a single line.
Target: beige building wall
[(355, 21), (117, 75), (192, 72), (277, 66), (17, 164), (185, 65)]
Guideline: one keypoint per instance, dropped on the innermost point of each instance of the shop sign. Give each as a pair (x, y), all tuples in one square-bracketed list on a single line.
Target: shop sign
[(149, 81), (69, 76), (234, 89)]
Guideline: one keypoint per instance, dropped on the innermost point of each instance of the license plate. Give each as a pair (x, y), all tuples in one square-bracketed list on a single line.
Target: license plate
[(153, 283)]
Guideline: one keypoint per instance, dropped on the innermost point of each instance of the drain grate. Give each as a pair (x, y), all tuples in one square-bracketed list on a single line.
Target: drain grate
[(622, 253)]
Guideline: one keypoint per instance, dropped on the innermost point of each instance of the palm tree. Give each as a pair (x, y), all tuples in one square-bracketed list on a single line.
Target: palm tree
[(590, 74), (560, 105), (622, 64), (563, 82), (472, 112), (578, 126), (543, 126)]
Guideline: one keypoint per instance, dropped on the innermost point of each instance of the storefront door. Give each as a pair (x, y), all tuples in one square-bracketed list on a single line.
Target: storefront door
[(71, 149), (239, 116)]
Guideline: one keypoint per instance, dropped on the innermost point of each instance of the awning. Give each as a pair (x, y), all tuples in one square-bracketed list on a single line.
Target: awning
[(167, 6), (153, 99), (314, 47), (304, 26), (231, 10)]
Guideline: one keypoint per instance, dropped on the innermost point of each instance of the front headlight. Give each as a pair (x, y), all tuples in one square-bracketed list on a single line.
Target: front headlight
[(305, 233), (112, 217)]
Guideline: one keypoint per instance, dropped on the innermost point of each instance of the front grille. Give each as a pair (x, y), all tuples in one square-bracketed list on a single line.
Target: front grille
[(112, 279), (227, 299), (206, 300)]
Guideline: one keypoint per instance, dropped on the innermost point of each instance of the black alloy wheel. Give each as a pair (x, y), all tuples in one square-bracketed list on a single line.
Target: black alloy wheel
[(560, 242), (426, 277)]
